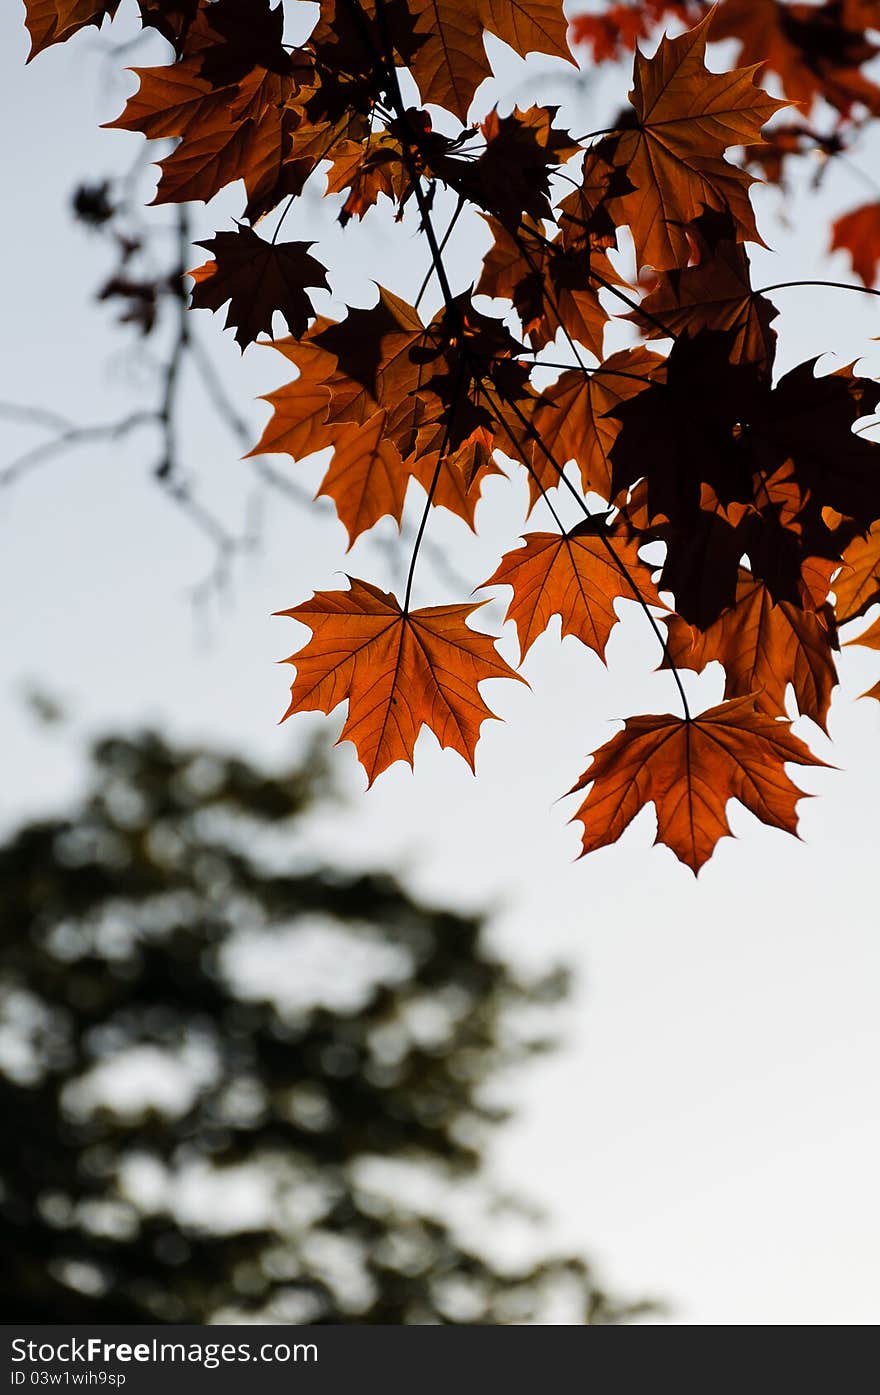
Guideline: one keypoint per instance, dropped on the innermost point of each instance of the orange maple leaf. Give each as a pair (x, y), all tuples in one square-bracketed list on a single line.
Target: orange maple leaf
[(367, 478), (618, 29), (714, 294), (763, 647), (398, 670), (611, 34), (549, 287), (450, 63), (689, 769), (857, 584), (235, 131), (858, 233), (686, 117), (458, 486), (366, 169), (573, 420), (362, 389), (54, 21), (584, 216), (575, 576), (811, 47), (375, 359), (861, 14), (299, 424)]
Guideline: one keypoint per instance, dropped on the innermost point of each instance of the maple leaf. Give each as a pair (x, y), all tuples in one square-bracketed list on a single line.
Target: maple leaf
[(172, 18), (577, 576), (241, 130), (816, 574), (811, 48), (718, 426), (457, 487), (430, 377), (549, 286), (375, 347), (300, 409), (346, 42), (611, 34), (686, 117), (366, 479), (702, 562), (809, 419), (616, 31), (251, 150), (383, 359), (762, 646), (54, 21), (860, 14), (869, 639), (715, 294), (574, 419), (584, 215), (451, 62), (398, 670), (366, 169), (858, 233), (510, 178), (171, 100), (257, 278), (786, 140), (479, 378), (250, 36), (689, 769), (857, 585)]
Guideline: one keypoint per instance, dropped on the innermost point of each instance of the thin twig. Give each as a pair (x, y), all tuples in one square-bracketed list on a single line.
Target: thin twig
[(72, 437), (834, 285), (36, 416)]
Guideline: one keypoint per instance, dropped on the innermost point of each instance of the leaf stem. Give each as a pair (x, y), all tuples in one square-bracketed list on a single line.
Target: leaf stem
[(446, 236), (834, 285), (435, 479), (287, 207)]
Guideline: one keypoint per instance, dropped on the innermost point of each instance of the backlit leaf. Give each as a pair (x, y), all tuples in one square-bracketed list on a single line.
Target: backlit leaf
[(763, 648), (451, 62), (257, 278), (686, 118), (577, 576), (398, 671), (689, 770), (54, 21)]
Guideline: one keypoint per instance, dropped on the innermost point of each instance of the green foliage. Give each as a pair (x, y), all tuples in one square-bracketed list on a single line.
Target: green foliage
[(123, 929)]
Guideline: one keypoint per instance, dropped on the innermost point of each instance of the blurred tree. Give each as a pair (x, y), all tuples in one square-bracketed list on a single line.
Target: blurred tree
[(188, 1026)]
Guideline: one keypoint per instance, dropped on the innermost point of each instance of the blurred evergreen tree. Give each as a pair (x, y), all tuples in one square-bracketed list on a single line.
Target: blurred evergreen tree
[(320, 1043)]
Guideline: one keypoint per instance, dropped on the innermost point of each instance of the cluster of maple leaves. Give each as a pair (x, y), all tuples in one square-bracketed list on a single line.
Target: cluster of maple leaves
[(766, 499)]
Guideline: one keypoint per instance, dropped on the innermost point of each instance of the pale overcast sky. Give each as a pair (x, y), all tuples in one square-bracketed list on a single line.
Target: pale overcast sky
[(708, 1131)]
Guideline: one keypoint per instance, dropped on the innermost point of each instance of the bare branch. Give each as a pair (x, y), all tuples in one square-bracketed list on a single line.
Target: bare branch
[(70, 438)]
